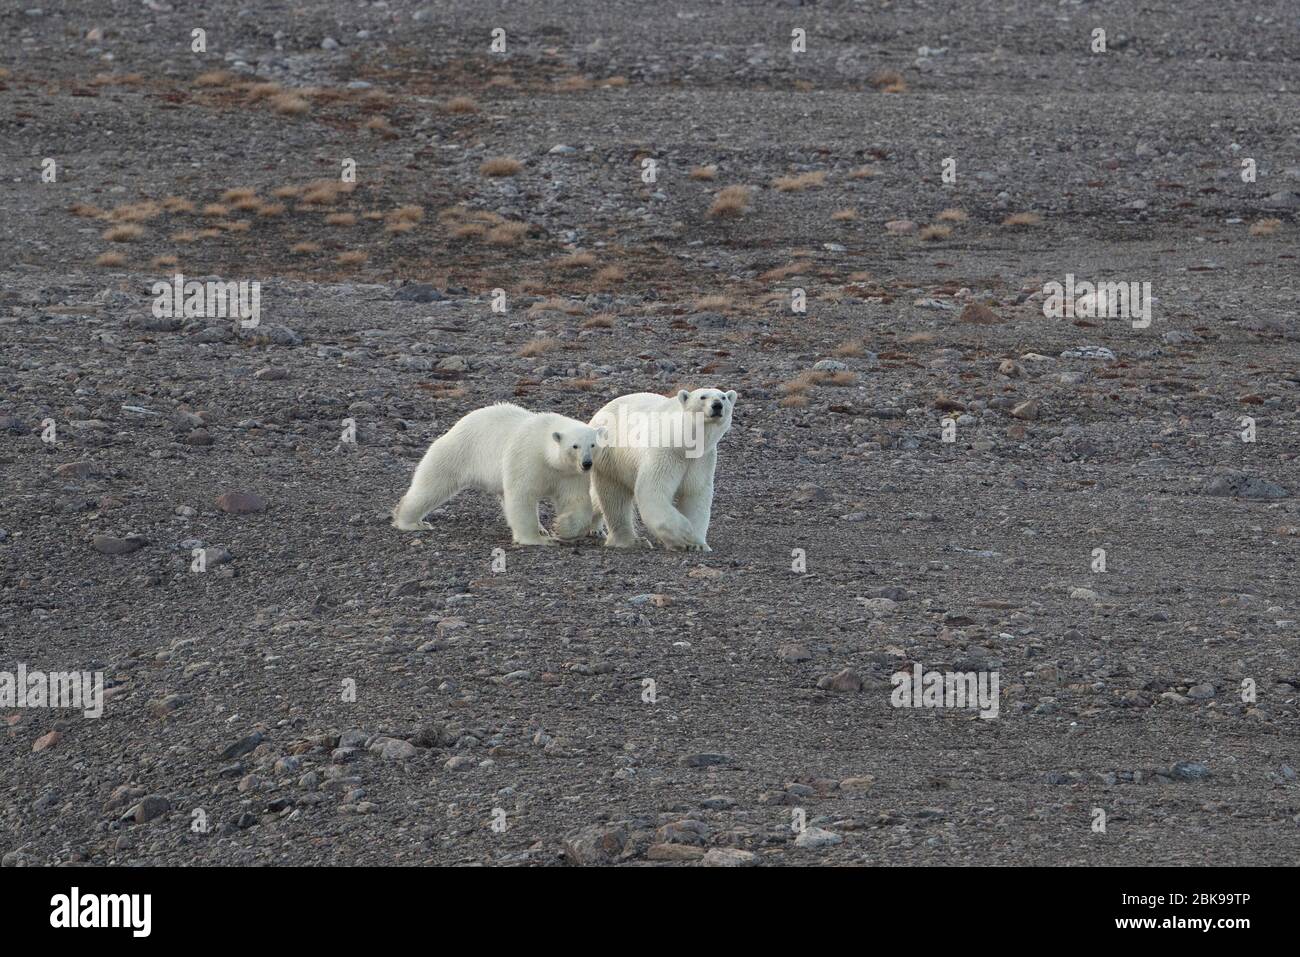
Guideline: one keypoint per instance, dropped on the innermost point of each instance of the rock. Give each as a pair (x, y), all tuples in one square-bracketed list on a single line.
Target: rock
[(46, 741), (240, 503), (393, 749), (900, 226), (1027, 410), (161, 707), (453, 364), (830, 365), (673, 852), (728, 857), (810, 493), (1084, 594), (1241, 485), (860, 784), (242, 747), (1189, 771), (152, 807), (111, 545), (793, 654), (1201, 692), (461, 762), (595, 845), (845, 682), (75, 470), (418, 292), (683, 832), (815, 838), (978, 314)]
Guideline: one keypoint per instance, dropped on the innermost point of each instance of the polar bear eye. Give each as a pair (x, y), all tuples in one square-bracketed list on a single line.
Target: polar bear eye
[(575, 446)]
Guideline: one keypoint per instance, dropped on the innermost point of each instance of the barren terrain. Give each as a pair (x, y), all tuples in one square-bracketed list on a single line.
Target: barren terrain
[(486, 694)]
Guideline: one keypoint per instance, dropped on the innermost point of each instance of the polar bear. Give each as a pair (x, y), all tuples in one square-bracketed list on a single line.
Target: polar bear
[(523, 457), (660, 453)]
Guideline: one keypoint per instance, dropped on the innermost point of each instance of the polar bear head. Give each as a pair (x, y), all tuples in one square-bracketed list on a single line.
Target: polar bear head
[(572, 447), (713, 404)]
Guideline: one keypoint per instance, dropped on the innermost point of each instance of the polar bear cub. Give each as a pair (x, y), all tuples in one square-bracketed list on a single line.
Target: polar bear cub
[(523, 457), (660, 454)]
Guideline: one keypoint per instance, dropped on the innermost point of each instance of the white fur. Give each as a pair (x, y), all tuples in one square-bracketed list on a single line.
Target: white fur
[(521, 456), (671, 485)]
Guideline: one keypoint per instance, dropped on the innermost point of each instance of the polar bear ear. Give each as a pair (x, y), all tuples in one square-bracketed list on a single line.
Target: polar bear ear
[(683, 396), (557, 436), (732, 396), (602, 435)]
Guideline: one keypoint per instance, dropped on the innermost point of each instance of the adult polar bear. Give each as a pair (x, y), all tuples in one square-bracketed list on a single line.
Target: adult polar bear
[(660, 453), (521, 456)]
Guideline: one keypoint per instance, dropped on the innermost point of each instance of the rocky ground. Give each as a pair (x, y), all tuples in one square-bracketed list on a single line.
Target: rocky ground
[(500, 712)]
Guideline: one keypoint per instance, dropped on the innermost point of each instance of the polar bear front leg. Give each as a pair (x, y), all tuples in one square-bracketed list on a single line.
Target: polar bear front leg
[(695, 500), (574, 518), (520, 504), (655, 491)]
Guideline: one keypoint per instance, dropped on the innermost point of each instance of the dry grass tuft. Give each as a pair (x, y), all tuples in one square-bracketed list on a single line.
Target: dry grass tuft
[(1265, 227), (271, 210), (136, 212), (1022, 219), (461, 104), (538, 347), (888, 81), (287, 192), (611, 274), (602, 320), (470, 231), (165, 261), (704, 172), (214, 210), (86, 211), (730, 202), (854, 347), (289, 104), (864, 172), (110, 259), (214, 78), (303, 248), (500, 166), (399, 226), (185, 236), (931, 234), (262, 91), (125, 233), (340, 219), (353, 257), (178, 204), (507, 234), (238, 194), (795, 401), (714, 304), (407, 214), (952, 216), (575, 261), (572, 84), (844, 215), (797, 184)]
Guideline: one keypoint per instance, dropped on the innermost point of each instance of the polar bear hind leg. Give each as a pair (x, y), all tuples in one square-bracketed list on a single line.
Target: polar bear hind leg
[(614, 501), (437, 478)]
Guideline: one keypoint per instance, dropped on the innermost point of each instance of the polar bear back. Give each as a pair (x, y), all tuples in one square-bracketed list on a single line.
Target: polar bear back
[(480, 440), (625, 461)]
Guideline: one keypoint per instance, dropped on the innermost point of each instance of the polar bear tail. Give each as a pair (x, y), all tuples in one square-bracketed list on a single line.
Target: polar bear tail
[(437, 478)]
